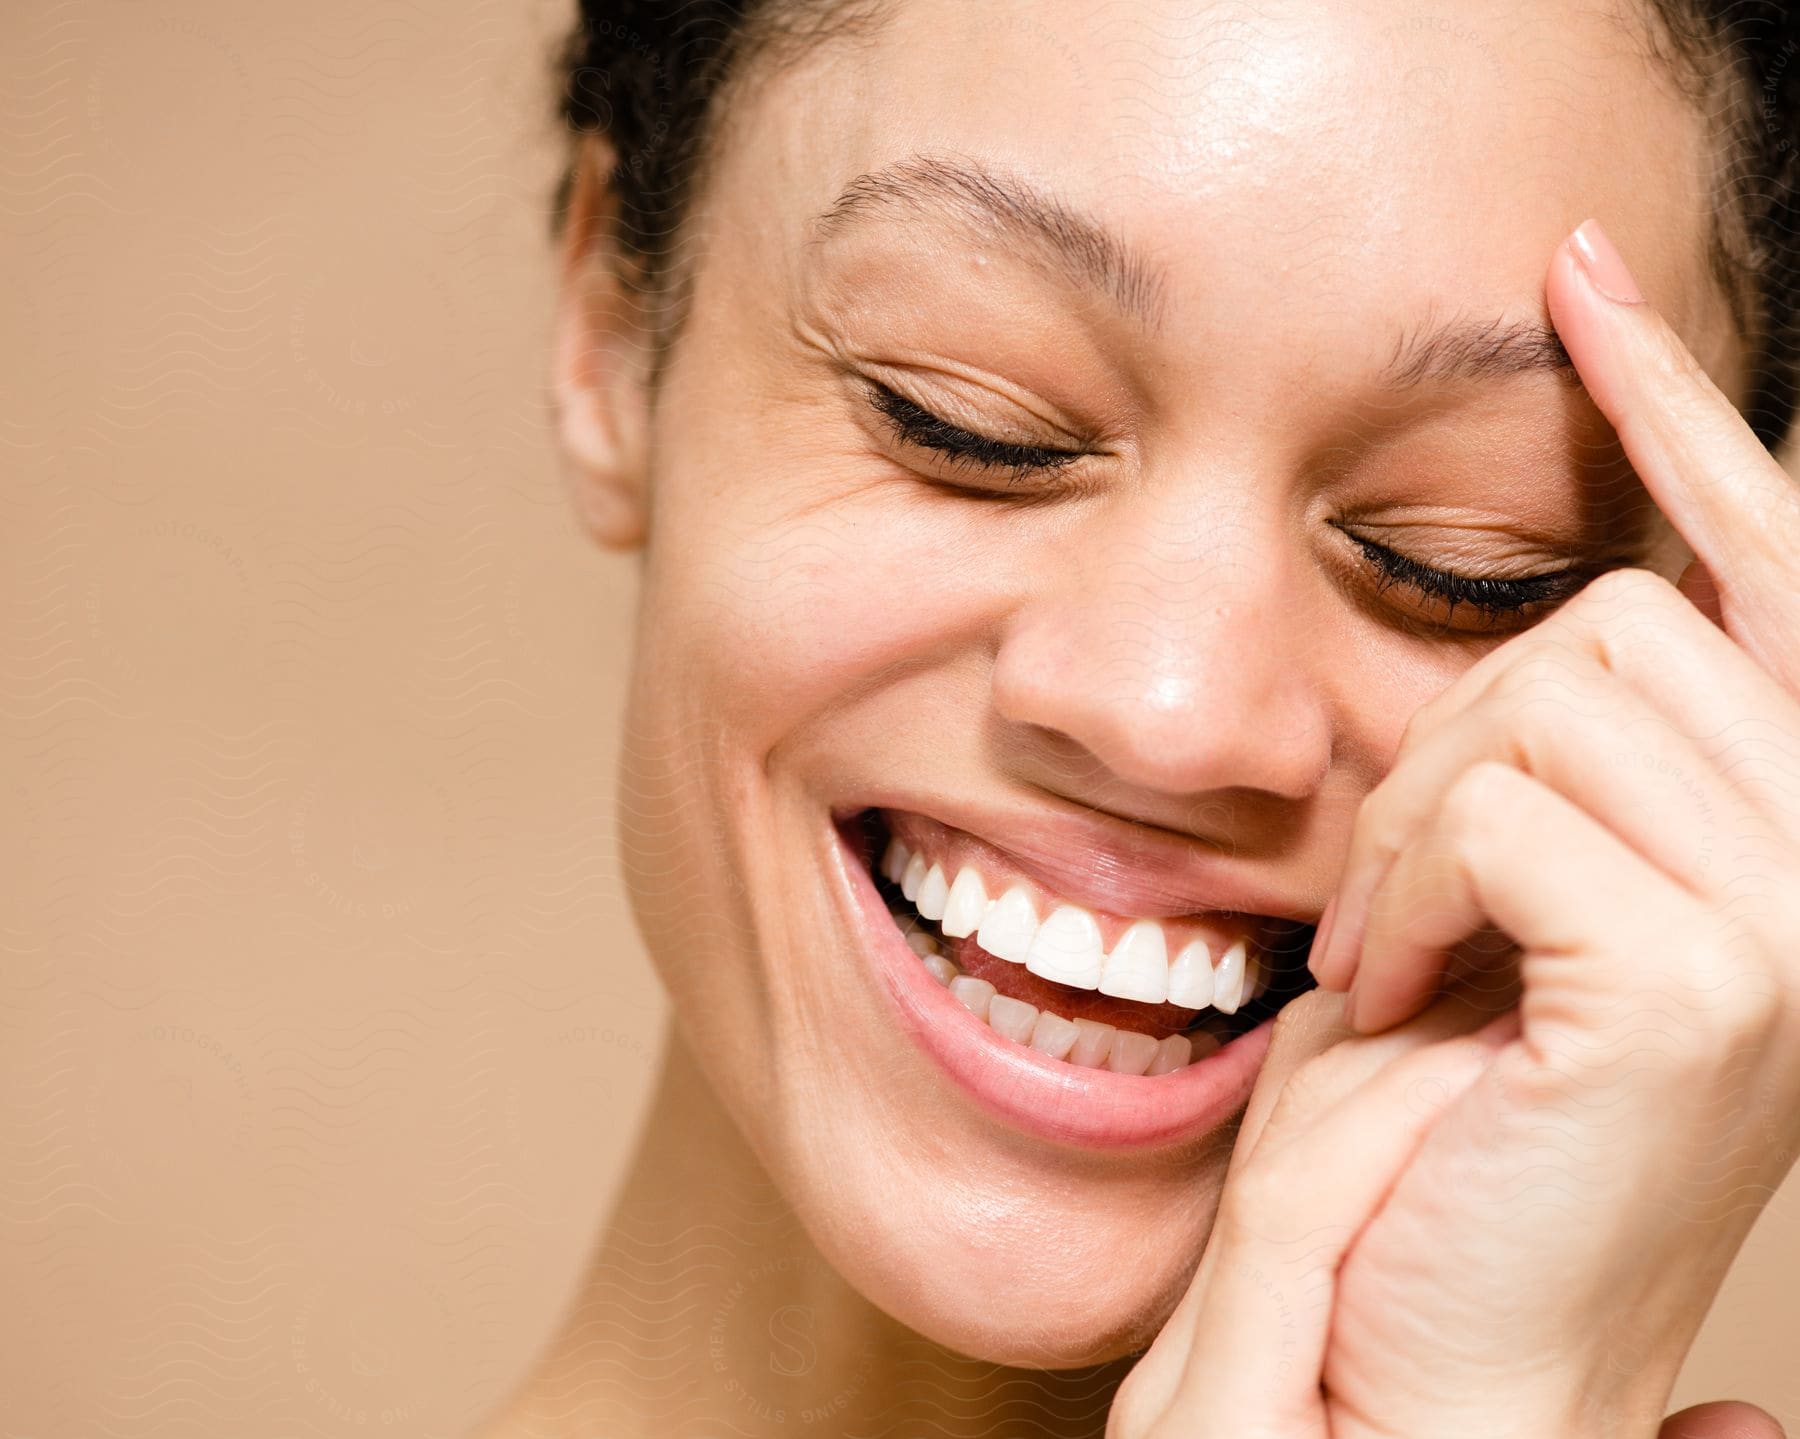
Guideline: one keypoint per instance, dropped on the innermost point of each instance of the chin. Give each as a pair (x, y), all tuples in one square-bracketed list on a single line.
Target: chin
[(974, 1272)]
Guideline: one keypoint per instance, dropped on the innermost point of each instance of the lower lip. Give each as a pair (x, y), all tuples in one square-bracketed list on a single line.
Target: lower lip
[(1066, 1103)]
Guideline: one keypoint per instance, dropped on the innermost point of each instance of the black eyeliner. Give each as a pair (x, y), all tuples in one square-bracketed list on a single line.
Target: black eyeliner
[(1490, 595), (916, 425)]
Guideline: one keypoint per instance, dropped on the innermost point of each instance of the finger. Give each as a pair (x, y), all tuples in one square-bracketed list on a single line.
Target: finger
[(1634, 625), (1317, 1061), (1722, 1419), (1506, 848), (1306, 1069), (1639, 627), (1702, 464), (1559, 716), (1307, 1027), (1290, 1218)]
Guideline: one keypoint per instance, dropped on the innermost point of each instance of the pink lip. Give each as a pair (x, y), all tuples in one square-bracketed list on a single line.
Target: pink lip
[(1065, 1103), (1109, 864)]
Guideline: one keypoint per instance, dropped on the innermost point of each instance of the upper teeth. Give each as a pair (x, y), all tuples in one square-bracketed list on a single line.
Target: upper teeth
[(1066, 945)]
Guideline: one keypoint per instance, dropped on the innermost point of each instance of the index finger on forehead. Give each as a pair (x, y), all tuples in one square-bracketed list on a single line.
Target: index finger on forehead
[(1696, 455)]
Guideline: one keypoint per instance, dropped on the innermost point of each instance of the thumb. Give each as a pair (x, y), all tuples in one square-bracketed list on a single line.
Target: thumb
[(1309, 1025), (1722, 1419)]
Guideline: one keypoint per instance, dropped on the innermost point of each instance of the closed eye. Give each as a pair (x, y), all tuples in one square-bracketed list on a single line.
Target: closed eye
[(1494, 596), (913, 424)]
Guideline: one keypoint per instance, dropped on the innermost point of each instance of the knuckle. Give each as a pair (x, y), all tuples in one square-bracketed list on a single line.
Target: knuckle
[(1753, 1003), (1373, 832), (1622, 620), (1564, 706), (1419, 724), (1627, 610), (1697, 1014), (1531, 712), (1621, 595), (1759, 1007), (1476, 795), (1424, 719), (1546, 673), (1721, 979), (1726, 1030), (1723, 1015)]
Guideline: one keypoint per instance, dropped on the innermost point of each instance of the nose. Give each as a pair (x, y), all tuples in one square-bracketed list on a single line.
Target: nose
[(1175, 653)]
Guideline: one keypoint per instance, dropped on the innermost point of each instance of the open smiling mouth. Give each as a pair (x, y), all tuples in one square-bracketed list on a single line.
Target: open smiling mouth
[(1135, 996)]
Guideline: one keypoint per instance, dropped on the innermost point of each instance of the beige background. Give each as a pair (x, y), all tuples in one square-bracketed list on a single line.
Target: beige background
[(322, 1030)]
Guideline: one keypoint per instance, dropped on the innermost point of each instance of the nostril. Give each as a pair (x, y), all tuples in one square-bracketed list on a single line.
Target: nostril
[(1123, 696)]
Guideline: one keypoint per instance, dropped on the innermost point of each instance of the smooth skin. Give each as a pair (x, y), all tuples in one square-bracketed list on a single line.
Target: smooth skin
[(1187, 642), (1594, 1156)]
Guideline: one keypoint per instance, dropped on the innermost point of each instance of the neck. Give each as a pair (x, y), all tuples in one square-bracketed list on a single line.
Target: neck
[(707, 1309)]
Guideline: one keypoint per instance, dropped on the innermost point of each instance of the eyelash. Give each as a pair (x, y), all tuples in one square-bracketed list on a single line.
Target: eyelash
[(915, 425), (1495, 597)]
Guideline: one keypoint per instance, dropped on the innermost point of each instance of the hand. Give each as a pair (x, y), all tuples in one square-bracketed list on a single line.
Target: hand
[(1615, 794), (1334, 1121), (1479, 1226)]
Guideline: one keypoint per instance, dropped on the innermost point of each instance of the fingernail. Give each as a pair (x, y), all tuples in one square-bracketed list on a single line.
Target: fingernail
[(1604, 265), (1321, 941), (1342, 948)]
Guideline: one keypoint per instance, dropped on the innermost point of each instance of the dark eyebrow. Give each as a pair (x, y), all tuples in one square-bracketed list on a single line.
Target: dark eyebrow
[(1462, 349), (991, 201)]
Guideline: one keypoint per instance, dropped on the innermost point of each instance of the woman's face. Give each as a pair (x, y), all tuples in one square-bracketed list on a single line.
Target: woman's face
[(1272, 274)]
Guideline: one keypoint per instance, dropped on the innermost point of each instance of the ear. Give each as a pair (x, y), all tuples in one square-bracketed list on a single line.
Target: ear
[(601, 361)]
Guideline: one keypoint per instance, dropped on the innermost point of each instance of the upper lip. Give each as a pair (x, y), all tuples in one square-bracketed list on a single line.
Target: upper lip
[(1106, 863)]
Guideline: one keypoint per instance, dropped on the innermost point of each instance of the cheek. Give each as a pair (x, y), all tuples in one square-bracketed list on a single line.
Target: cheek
[(1386, 696), (821, 582), (781, 614)]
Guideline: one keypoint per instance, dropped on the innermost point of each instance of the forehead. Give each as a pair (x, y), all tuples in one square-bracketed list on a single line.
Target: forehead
[(1405, 156)]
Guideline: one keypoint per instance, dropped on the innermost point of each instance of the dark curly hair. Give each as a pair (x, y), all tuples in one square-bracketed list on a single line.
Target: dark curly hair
[(649, 74)]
